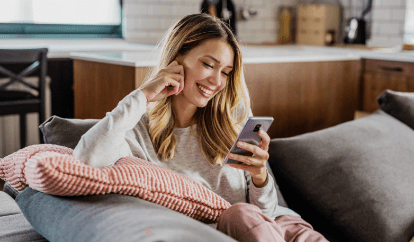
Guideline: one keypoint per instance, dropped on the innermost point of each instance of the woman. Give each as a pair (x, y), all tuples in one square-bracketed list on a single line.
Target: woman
[(197, 102)]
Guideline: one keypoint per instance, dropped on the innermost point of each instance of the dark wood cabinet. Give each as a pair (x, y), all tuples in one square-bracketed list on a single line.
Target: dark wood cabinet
[(304, 96), (379, 75), (300, 96)]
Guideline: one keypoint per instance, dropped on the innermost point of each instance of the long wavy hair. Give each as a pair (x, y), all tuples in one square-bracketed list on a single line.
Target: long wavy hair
[(217, 127)]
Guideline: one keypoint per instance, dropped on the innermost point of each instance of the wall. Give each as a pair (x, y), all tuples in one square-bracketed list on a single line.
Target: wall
[(409, 23), (388, 18), (148, 20)]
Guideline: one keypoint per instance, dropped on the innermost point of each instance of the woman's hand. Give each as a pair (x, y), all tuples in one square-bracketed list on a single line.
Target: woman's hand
[(166, 82), (255, 164)]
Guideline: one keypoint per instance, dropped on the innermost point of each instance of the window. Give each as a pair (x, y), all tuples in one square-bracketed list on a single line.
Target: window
[(60, 18)]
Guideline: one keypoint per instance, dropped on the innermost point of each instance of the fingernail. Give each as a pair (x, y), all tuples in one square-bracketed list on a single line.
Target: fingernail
[(239, 143)]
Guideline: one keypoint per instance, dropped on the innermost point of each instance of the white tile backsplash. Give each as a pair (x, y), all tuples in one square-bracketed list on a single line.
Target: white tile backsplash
[(398, 14), (388, 21), (147, 19), (153, 17), (390, 29)]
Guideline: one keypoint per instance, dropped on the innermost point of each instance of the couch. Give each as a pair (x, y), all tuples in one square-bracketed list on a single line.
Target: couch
[(352, 182)]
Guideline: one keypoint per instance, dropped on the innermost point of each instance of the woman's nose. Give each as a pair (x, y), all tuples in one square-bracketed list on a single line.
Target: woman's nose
[(215, 79)]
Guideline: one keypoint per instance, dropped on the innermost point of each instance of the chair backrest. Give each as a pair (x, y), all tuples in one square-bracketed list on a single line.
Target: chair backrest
[(35, 59)]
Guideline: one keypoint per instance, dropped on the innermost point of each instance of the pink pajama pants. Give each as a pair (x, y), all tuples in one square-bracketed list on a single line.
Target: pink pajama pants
[(246, 223)]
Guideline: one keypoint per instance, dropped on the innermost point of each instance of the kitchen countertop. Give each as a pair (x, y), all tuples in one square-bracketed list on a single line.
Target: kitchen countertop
[(259, 54), (121, 52), (251, 54), (61, 48)]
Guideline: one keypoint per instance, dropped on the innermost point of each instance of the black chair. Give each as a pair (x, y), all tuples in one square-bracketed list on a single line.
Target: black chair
[(17, 64)]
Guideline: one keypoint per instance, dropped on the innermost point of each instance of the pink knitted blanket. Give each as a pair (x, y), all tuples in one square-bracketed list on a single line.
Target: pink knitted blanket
[(52, 169)]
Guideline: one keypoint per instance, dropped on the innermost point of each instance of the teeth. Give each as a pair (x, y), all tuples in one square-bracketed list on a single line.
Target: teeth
[(206, 91)]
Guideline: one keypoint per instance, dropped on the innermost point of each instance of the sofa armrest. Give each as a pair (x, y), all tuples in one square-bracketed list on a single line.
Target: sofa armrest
[(11, 191)]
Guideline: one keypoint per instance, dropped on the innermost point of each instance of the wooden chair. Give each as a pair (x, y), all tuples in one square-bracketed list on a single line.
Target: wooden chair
[(31, 62)]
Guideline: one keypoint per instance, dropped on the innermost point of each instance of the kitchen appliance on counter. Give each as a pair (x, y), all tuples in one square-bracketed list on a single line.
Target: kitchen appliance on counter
[(356, 28), (317, 24), (223, 9)]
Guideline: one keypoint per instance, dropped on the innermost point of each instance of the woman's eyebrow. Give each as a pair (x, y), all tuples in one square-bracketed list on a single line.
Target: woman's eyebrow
[(214, 59)]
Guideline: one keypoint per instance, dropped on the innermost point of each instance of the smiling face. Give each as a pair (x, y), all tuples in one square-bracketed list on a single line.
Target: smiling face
[(206, 72)]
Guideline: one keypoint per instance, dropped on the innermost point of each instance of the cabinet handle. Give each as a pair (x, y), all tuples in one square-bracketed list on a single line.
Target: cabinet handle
[(390, 68)]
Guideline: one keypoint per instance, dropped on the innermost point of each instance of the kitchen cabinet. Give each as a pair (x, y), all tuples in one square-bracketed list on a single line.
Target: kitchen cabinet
[(304, 96), (98, 87), (316, 23), (301, 96), (379, 75)]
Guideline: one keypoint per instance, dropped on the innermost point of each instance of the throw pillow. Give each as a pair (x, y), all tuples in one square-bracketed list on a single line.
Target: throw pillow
[(68, 132), (53, 170), (400, 105), (65, 132), (109, 217), (354, 179)]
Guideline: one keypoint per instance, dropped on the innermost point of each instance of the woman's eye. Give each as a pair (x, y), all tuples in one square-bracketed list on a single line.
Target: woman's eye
[(226, 74), (210, 66)]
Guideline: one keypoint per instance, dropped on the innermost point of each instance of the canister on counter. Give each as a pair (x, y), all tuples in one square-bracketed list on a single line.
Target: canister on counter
[(285, 30)]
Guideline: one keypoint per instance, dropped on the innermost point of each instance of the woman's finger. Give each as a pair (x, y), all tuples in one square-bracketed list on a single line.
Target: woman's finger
[(243, 167), (265, 140), (178, 69), (173, 63), (248, 160), (256, 150), (179, 81), (173, 83)]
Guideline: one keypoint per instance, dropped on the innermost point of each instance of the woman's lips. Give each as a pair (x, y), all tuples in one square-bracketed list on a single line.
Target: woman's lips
[(205, 90)]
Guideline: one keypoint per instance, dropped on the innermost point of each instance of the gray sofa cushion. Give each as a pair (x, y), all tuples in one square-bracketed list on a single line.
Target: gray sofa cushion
[(400, 105), (65, 132), (354, 179), (110, 217), (13, 224)]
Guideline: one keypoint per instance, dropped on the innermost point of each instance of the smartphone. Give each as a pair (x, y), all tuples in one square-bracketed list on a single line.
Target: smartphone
[(249, 134)]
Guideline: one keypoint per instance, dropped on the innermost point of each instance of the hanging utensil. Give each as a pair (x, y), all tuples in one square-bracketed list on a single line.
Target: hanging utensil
[(226, 14)]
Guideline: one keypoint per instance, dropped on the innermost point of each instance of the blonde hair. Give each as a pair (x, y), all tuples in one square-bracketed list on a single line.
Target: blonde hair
[(217, 127)]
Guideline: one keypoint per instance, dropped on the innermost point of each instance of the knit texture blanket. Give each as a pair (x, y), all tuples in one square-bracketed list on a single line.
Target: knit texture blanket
[(53, 170)]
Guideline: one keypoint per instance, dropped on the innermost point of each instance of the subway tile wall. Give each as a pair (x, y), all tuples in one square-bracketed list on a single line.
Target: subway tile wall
[(409, 23), (388, 20), (148, 20)]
